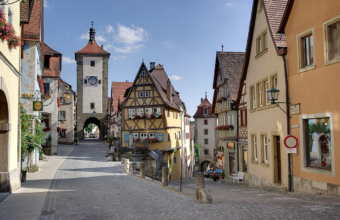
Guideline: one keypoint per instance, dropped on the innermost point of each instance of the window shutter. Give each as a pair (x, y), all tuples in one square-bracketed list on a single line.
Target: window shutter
[(126, 137), (160, 137)]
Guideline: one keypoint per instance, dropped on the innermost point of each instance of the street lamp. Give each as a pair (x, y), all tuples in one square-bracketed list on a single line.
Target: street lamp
[(273, 95)]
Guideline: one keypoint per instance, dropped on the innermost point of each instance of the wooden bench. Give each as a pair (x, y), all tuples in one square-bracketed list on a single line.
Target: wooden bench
[(239, 176)]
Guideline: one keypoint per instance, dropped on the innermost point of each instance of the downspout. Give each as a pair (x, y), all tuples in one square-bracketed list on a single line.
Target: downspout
[(290, 159), (237, 133)]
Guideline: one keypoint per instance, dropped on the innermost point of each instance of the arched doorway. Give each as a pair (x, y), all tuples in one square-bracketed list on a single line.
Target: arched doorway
[(94, 121), (4, 137), (206, 165)]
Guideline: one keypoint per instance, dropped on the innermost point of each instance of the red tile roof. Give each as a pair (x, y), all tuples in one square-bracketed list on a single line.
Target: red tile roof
[(33, 29), (48, 51), (92, 48), (117, 93), (200, 110), (55, 62)]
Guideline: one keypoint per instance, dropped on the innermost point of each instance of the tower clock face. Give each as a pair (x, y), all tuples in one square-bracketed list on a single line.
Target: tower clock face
[(93, 80)]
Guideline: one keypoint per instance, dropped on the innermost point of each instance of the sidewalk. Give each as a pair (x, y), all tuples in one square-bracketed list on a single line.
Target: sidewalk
[(27, 202)]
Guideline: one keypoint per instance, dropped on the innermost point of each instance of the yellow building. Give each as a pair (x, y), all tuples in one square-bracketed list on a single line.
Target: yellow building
[(10, 79), (151, 113)]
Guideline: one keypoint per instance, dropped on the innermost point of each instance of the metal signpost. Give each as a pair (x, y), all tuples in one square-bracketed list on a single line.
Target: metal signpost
[(291, 142)]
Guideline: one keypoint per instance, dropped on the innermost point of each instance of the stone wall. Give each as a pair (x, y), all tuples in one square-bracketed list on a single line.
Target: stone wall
[(314, 186)]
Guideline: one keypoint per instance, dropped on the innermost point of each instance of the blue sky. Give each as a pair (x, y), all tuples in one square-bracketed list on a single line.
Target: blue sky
[(183, 36)]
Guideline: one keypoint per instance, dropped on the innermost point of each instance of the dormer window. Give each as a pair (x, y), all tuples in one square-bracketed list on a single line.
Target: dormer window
[(143, 73), (205, 111)]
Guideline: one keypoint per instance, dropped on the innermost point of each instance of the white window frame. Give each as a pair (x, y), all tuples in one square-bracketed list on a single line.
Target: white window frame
[(260, 95), (158, 110), (254, 97), (223, 120), (265, 149), (153, 135), (148, 111), (254, 147), (205, 111), (143, 73), (60, 116), (141, 94), (267, 88), (143, 136), (134, 136), (146, 94), (228, 123), (328, 59), (169, 137), (132, 112), (140, 111), (275, 83)]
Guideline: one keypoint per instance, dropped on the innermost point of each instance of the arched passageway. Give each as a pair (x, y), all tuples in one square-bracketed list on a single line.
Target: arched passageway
[(206, 165), (4, 137), (94, 121)]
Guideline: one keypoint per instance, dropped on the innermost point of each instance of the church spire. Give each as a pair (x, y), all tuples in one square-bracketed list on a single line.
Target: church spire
[(92, 33)]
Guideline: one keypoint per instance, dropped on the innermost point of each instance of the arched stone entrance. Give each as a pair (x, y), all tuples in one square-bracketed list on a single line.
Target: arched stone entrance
[(4, 145), (206, 165), (92, 120)]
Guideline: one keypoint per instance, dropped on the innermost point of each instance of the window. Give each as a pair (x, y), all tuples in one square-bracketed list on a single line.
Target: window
[(228, 120), (148, 111), (225, 91), (46, 88), (175, 136), (176, 115), (47, 62), (132, 112), (63, 133), (205, 121), (232, 120), (223, 120), (267, 88), (92, 105), (46, 121), (140, 111), (205, 131), (143, 73), (147, 93), (10, 15), (141, 94), (254, 156), (169, 138), (143, 136), (221, 92), (275, 84), (175, 159), (261, 43), (168, 112), (318, 140), (205, 111), (332, 40), (152, 135), (173, 115), (85, 81), (206, 151), (179, 135), (99, 81), (307, 50), (157, 110), (253, 99), (205, 140), (244, 117), (259, 93), (92, 62), (264, 149), (134, 136), (62, 116)]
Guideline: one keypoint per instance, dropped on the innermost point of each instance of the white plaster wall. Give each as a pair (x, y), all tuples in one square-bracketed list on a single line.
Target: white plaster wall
[(92, 93), (200, 126)]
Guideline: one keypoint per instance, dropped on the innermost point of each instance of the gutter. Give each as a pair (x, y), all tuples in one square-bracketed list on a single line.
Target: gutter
[(290, 157)]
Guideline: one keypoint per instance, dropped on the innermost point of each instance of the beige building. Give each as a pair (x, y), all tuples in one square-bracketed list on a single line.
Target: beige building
[(263, 70), (66, 113), (10, 79)]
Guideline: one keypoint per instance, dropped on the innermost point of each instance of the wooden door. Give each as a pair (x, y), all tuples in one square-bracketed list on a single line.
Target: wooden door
[(231, 163), (278, 159)]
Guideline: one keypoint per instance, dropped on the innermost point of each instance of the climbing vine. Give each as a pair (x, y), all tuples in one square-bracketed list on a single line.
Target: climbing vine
[(197, 152), (171, 159)]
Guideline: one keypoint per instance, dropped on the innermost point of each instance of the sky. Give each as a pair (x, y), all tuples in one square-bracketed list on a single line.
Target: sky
[(181, 35)]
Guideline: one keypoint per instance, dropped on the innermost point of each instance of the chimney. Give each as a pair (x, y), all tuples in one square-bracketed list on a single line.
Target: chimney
[(102, 46), (202, 100), (169, 90), (152, 65), (205, 94)]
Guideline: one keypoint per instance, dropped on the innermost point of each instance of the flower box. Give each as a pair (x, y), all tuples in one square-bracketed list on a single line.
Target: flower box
[(224, 127), (221, 99)]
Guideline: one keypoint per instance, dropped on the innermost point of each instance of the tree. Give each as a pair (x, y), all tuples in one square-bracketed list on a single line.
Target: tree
[(89, 127), (192, 122), (197, 152)]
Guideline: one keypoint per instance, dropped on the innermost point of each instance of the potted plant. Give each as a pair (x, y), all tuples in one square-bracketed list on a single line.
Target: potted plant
[(222, 176)]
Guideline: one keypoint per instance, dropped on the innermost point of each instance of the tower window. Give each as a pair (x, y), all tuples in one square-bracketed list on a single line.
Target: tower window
[(92, 63), (85, 81), (99, 82), (92, 105)]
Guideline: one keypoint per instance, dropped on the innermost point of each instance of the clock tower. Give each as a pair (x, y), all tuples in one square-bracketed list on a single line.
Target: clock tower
[(92, 86)]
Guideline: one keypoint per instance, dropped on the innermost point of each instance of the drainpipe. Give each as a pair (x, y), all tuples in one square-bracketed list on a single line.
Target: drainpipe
[(290, 158)]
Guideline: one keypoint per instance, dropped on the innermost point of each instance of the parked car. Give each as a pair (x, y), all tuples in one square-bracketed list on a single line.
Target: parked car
[(92, 136), (216, 174), (207, 173)]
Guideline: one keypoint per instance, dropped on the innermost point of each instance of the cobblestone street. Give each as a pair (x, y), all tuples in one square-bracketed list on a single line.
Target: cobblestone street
[(86, 186)]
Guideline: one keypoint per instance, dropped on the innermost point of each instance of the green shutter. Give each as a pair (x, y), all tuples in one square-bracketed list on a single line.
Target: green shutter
[(126, 137), (160, 137)]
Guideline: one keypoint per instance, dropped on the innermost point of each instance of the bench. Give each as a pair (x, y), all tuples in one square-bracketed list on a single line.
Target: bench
[(239, 176)]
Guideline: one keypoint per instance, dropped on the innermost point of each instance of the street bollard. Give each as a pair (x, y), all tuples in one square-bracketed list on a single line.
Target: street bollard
[(165, 174), (134, 167), (122, 161), (126, 165), (202, 194), (141, 170)]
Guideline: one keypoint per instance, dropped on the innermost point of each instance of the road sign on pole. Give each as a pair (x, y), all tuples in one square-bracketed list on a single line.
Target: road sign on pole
[(291, 143)]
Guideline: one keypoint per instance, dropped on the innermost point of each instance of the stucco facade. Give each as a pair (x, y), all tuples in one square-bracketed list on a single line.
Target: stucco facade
[(316, 163)]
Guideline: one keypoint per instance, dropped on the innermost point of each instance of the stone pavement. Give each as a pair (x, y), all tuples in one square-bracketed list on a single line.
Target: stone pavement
[(86, 186)]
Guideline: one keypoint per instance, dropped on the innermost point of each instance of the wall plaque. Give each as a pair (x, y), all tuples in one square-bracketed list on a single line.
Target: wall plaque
[(295, 109), (231, 145)]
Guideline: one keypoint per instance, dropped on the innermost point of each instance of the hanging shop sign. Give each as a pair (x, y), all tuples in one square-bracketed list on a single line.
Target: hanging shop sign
[(38, 106), (291, 143)]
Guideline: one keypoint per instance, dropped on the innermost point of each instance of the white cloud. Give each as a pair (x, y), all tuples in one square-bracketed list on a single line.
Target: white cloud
[(46, 4), (129, 35), (128, 48), (100, 38), (174, 77), (109, 29), (119, 57), (167, 43), (85, 36), (68, 60), (228, 4)]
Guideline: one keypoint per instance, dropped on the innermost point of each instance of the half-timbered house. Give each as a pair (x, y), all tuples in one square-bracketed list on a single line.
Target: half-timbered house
[(151, 115)]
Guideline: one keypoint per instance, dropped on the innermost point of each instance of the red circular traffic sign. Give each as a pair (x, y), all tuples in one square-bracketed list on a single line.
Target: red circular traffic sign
[(291, 141)]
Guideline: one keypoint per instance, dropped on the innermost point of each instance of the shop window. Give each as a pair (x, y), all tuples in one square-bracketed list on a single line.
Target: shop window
[(318, 143)]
